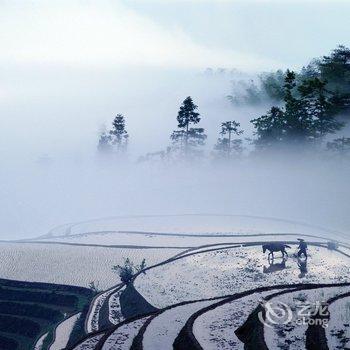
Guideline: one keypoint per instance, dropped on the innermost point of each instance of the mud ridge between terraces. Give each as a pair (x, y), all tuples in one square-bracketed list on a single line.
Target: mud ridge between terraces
[(116, 287), (107, 332), (130, 246), (54, 330), (186, 339), (95, 245), (171, 234), (68, 227), (103, 316)]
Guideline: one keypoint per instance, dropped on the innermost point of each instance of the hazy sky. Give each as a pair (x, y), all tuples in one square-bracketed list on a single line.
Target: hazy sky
[(243, 34)]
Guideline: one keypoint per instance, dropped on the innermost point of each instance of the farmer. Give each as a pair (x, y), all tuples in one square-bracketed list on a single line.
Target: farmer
[(302, 248)]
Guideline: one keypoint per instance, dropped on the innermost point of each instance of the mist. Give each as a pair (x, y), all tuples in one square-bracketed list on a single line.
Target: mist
[(60, 90), (37, 197), (51, 173)]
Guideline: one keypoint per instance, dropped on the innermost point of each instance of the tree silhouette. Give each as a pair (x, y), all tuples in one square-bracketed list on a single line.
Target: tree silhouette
[(118, 134), (187, 139), (225, 144), (307, 116)]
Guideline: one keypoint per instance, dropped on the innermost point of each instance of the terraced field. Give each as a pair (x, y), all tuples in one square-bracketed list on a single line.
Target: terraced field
[(76, 265), (205, 295), (201, 290), (28, 311)]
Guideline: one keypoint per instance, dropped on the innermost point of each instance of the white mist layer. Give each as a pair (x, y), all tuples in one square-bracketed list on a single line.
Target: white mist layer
[(38, 197)]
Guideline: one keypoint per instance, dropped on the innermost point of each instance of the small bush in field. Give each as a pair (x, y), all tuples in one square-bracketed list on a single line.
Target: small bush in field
[(128, 270), (94, 287)]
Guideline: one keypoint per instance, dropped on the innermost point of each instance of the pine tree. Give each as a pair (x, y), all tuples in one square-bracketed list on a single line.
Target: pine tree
[(270, 128), (187, 139), (226, 146), (118, 134), (187, 114), (116, 139)]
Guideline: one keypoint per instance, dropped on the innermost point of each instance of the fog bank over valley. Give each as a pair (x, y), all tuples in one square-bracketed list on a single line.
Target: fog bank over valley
[(47, 195)]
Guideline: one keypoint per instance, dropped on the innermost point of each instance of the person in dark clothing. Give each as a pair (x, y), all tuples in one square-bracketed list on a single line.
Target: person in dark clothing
[(302, 248)]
